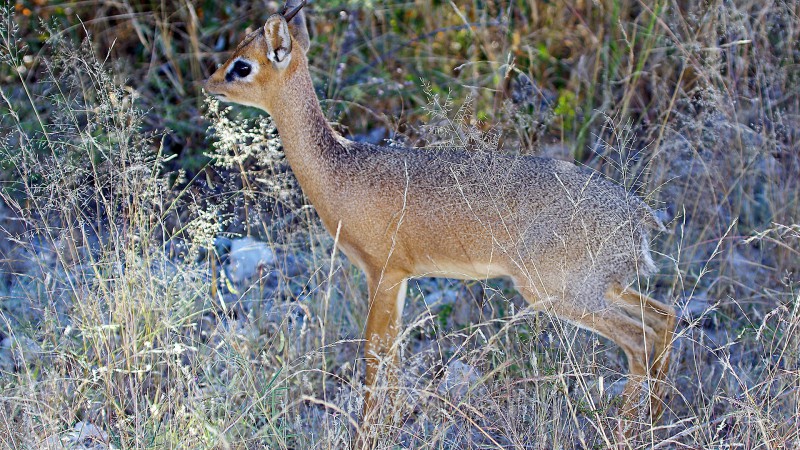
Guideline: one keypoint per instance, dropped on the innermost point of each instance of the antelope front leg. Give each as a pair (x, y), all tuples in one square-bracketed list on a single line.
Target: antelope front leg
[(387, 296)]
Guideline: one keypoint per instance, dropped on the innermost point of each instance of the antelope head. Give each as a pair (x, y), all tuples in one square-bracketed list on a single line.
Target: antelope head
[(263, 61)]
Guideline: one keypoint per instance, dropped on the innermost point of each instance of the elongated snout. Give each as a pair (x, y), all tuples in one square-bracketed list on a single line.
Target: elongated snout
[(213, 84)]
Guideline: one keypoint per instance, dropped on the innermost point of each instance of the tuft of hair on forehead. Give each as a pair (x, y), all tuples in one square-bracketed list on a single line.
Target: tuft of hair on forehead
[(247, 40)]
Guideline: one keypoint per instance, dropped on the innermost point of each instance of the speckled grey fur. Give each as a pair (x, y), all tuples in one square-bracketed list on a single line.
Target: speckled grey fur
[(548, 223)]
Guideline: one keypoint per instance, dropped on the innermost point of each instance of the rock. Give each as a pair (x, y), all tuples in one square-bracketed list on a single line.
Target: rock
[(699, 308), (17, 352), (556, 151), (247, 258), (459, 379), (6, 356), (441, 297), (85, 435)]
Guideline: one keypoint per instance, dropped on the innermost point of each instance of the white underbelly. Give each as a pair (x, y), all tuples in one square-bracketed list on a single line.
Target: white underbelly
[(460, 270)]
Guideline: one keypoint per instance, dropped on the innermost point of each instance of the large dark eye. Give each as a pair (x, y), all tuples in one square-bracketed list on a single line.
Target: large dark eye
[(240, 69)]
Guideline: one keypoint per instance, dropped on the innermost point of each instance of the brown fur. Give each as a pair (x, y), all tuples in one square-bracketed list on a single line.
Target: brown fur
[(570, 240)]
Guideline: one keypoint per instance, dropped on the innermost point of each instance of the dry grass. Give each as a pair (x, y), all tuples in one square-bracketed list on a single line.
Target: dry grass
[(113, 310)]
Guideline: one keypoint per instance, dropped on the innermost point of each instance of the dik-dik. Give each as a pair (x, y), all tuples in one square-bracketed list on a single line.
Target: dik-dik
[(571, 241)]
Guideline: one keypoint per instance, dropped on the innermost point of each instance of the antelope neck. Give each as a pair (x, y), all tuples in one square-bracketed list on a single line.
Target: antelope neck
[(314, 151), (308, 141)]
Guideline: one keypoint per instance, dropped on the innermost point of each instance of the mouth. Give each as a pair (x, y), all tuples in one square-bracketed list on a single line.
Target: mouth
[(221, 97), (209, 86), (216, 95)]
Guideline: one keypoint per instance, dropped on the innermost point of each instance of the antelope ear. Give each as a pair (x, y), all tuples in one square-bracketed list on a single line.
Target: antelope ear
[(279, 41)]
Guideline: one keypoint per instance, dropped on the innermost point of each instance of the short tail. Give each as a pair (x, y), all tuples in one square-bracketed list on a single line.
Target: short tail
[(647, 265), (650, 220), (648, 216)]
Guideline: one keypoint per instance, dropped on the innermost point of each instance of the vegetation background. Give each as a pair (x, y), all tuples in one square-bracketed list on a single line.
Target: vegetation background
[(133, 314)]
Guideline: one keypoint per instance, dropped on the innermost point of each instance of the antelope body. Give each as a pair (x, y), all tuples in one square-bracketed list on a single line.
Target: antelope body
[(571, 241)]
